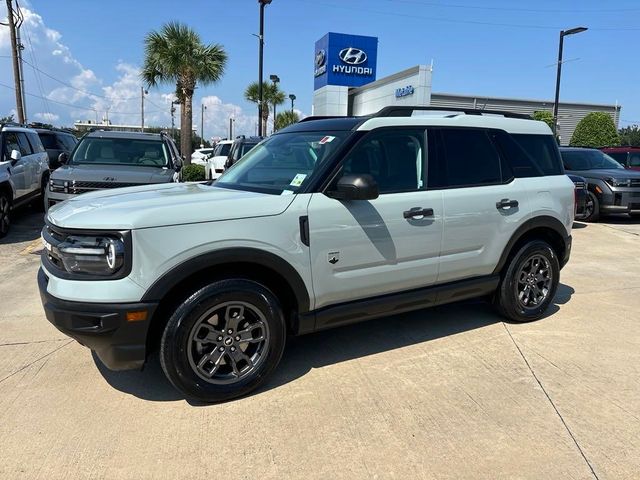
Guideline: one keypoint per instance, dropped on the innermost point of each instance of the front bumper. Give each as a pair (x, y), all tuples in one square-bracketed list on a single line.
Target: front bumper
[(102, 327), (621, 200)]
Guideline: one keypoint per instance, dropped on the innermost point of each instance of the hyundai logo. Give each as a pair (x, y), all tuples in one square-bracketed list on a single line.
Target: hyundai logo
[(321, 57), (352, 56)]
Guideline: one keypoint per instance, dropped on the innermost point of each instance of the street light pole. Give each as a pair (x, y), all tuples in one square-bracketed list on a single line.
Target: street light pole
[(260, 63), (275, 79), (563, 33), (292, 97)]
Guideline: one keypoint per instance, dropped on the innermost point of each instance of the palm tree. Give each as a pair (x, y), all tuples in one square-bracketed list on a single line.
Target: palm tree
[(271, 95), (286, 118), (176, 54)]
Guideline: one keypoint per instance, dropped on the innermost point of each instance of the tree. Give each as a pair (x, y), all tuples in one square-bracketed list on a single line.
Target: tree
[(544, 116), (595, 130), (630, 136), (176, 54), (286, 118), (7, 119), (271, 95)]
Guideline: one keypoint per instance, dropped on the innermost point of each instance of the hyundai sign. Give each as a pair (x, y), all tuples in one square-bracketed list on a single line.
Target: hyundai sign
[(345, 60)]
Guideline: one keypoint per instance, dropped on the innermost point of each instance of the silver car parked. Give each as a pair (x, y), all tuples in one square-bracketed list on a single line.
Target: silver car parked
[(109, 159)]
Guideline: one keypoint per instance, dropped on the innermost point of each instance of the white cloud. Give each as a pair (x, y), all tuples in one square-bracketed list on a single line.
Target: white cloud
[(46, 117), (88, 97)]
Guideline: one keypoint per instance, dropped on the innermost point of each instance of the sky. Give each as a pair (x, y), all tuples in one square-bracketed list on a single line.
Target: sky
[(83, 57)]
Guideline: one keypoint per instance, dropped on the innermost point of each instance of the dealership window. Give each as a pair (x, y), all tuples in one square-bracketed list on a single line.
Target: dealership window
[(393, 157), (467, 158)]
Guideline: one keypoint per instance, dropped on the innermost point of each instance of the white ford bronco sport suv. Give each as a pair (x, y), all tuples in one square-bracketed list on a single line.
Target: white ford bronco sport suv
[(328, 222)]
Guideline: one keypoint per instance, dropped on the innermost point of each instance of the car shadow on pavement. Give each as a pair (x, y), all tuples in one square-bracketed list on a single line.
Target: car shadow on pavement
[(26, 225), (337, 345), (579, 225)]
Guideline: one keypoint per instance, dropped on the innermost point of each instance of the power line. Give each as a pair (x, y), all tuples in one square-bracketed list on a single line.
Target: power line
[(78, 107), (456, 20), (515, 9)]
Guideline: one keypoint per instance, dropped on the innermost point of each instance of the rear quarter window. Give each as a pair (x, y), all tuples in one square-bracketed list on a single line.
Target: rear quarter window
[(542, 150)]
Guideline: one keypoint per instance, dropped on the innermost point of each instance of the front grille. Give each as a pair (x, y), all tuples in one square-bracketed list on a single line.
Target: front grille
[(580, 185), (79, 187)]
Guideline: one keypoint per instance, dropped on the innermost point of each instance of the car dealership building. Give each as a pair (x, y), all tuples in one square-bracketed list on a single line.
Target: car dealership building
[(345, 84)]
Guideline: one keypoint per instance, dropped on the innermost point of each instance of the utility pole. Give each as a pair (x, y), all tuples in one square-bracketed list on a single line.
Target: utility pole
[(16, 65), (143, 92), (21, 70), (203, 107), (173, 125)]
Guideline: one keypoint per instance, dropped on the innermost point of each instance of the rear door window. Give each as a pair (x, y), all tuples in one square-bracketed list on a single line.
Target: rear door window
[(467, 158), (10, 144), (49, 141)]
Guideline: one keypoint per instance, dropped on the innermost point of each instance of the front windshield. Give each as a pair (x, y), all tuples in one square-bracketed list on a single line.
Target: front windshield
[(283, 162), (588, 160), (222, 150), (121, 151)]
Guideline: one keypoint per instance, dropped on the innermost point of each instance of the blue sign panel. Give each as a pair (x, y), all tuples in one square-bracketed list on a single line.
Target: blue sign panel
[(346, 60)]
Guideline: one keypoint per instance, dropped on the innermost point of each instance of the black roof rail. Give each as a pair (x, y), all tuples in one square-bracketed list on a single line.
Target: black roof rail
[(407, 111), (13, 124), (322, 117)]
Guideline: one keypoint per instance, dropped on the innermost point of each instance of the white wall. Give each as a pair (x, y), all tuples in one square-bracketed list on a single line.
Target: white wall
[(382, 93), (331, 100)]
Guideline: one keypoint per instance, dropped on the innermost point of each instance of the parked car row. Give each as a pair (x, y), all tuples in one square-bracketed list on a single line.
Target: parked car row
[(611, 188)]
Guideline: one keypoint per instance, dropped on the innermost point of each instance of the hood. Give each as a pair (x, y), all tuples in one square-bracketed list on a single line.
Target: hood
[(119, 174), (608, 173), (161, 205)]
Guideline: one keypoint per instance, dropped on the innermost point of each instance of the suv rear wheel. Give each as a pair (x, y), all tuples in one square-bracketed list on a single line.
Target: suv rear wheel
[(529, 283), (223, 341), (5, 213)]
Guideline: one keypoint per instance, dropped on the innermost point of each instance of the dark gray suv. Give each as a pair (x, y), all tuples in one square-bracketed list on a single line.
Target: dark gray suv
[(611, 187), (109, 159)]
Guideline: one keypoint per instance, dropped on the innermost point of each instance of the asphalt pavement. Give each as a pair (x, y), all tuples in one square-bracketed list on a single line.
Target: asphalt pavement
[(451, 392)]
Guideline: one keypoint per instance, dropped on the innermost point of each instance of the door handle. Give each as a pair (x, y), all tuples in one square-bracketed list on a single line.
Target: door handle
[(506, 203), (418, 212)]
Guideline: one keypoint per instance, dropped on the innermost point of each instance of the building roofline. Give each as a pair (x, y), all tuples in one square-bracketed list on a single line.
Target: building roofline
[(391, 78), (530, 100)]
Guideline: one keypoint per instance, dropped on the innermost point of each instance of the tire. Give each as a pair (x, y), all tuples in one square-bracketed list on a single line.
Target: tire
[(527, 299), (591, 209), (190, 348), (41, 204), (5, 213)]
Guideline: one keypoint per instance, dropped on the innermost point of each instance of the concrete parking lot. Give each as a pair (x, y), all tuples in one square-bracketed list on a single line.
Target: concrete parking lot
[(452, 392)]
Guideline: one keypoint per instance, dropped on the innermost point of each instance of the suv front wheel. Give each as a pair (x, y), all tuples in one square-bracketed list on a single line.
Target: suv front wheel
[(223, 341), (529, 283)]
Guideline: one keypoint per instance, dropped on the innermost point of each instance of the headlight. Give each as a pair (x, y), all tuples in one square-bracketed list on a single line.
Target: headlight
[(619, 182), (59, 185), (101, 256)]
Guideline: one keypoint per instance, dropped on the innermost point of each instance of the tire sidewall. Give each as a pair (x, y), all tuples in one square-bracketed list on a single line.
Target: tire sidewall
[(175, 339), (4, 195), (595, 215), (508, 301)]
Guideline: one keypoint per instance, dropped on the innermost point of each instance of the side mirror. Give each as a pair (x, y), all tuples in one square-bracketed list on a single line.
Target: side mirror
[(15, 156), (63, 158), (356, 187)]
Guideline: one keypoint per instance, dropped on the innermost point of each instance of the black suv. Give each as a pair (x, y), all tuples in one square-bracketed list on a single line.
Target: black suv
[(241, 145), (56, 142), (612, 188)]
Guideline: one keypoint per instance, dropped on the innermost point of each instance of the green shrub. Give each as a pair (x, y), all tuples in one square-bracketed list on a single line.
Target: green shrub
[(595, 130), (544, 116), (193, 173)]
